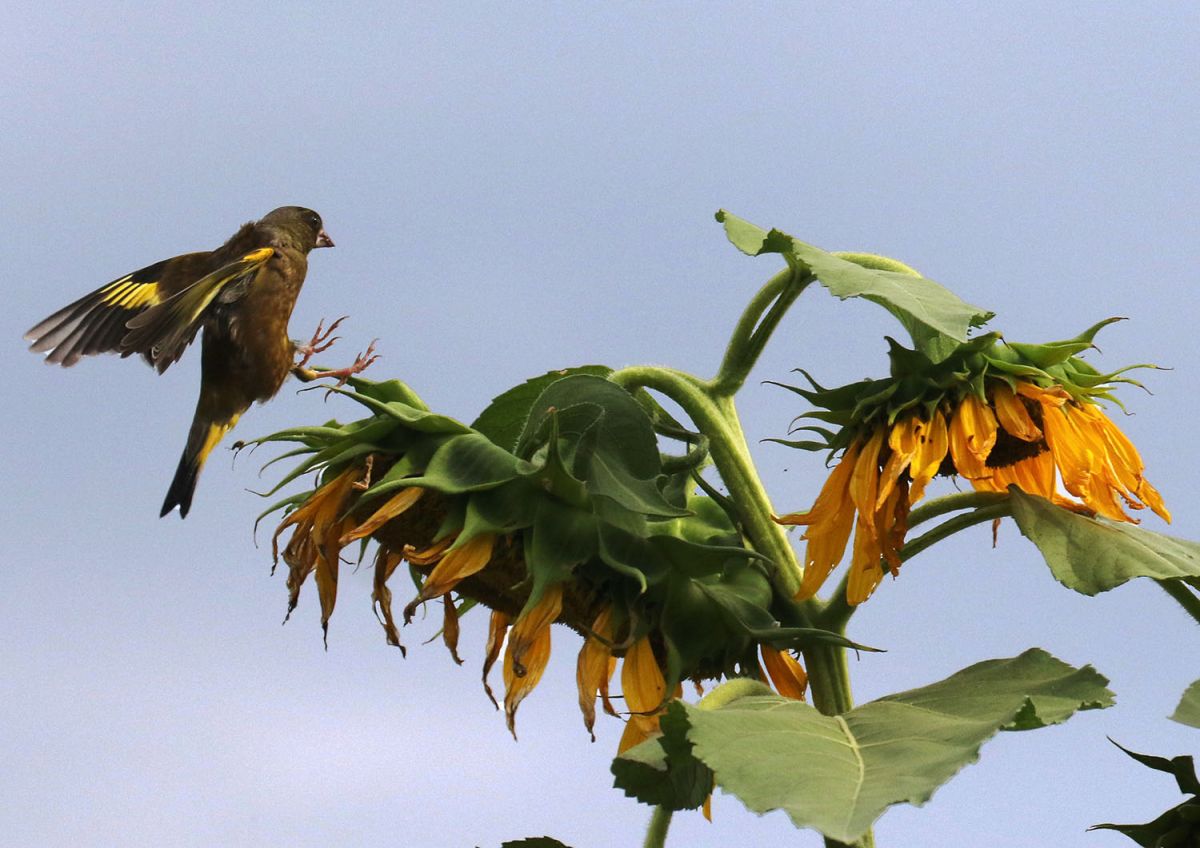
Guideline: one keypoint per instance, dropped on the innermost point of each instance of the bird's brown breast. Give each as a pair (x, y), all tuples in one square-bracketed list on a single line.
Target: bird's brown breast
[(247, 353)]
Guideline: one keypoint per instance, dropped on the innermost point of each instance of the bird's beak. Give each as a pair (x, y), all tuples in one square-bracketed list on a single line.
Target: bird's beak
[(323, 239)]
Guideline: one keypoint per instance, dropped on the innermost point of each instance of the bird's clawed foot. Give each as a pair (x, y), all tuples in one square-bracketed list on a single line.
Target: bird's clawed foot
[(321, 341), (361, 363)]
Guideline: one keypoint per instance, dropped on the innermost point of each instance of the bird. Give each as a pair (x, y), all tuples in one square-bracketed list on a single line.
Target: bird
[(240, 295)]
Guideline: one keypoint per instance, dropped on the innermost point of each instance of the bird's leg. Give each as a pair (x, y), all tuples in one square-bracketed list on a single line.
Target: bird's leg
[(321, 341), (361, 363)]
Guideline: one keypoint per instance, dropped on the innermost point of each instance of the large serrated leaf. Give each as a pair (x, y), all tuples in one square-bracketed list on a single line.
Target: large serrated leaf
[(1093, 555), (937, 319), (661, 771), (839, 774), (1188, 711)]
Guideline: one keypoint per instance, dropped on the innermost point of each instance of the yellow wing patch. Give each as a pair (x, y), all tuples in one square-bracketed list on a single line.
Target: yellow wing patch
[(126, 294), (259, 255)]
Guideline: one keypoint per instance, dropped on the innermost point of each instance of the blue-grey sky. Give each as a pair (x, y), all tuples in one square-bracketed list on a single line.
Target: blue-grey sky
[(518, 188)]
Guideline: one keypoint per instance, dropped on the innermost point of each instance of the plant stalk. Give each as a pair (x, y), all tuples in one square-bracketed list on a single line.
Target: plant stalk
[(656, 831)]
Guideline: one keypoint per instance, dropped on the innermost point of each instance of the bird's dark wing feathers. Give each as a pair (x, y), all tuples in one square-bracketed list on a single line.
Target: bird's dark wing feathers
[(162, 332), (96, 322)]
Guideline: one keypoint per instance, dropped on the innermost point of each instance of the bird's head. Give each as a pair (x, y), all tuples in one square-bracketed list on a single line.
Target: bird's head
[(302, 227)]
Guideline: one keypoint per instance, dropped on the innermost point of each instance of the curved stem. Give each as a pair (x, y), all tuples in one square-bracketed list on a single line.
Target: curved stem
[(656, 831), (716, 417), (952, 503), (754, 329), (1183, 595)]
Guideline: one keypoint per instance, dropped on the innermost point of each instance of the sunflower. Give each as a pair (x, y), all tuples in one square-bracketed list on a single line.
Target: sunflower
[(1048, 437)]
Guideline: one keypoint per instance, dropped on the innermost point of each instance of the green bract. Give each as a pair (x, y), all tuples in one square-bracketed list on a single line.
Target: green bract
[(921, 384)]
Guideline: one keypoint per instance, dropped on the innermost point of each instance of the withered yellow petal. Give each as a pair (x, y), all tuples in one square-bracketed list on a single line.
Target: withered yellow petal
[(497, 630), (972, 437), (787, 675), (528, 651), (460, 562), (932, 444), (593, 668), (866, 572), (395, 505), (1013, 416)]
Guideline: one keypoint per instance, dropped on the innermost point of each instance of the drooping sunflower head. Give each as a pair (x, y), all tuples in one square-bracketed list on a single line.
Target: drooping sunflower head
[(994, 414), (577, 521)]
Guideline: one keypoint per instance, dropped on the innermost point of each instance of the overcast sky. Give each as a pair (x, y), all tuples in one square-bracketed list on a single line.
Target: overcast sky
[(518, 189)]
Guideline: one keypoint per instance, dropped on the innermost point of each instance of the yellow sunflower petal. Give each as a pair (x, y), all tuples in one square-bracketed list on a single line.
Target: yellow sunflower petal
[(864, 481), (787, 675), (830, 522), (395, 505), (528, 651), (831, 499), (865, 571), (931, 449), (497, 630), (904, 439), (593, 668), (1013, 416), (458, 563), (645, 692), (972, 436)]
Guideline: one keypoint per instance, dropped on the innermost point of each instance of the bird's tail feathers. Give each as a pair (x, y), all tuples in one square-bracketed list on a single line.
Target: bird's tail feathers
[(202, 438)]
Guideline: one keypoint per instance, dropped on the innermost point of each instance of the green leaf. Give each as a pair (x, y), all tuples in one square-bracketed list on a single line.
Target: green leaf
[(1093, 555), (468, 463), (662, 771), (1179, 826), (1183, 768), (1188, 711), (838, 774), (505, 416), (936, 318)]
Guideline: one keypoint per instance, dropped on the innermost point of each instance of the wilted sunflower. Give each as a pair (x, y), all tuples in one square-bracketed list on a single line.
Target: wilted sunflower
[(406, 524), (994, 415)]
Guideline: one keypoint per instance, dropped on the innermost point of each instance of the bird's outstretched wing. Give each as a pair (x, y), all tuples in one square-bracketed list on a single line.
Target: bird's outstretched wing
[(162, 332), (96, 322)]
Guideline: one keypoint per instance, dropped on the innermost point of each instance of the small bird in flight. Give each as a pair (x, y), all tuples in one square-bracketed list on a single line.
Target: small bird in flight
[(240, 294)]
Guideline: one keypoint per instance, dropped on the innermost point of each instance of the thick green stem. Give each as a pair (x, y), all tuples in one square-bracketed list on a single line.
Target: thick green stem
[(755, 326), (754, 329), (1183, 595), (656, 831), (716, 418)]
